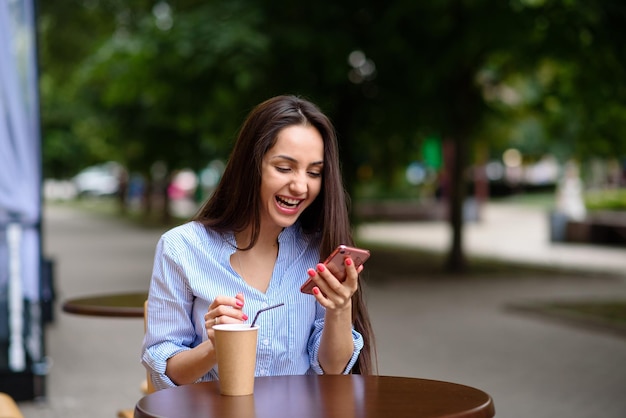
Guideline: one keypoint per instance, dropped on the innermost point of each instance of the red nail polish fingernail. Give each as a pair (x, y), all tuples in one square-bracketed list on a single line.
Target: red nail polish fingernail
[(316, 291), (245, 317), (311, 272), (348, 261), (320, 268), (239, 303)]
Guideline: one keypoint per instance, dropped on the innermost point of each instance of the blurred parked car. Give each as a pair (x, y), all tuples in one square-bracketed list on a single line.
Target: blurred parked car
[(98, 180)]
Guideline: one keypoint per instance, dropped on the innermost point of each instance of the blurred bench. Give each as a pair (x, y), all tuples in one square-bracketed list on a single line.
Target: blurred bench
[(602, 227)]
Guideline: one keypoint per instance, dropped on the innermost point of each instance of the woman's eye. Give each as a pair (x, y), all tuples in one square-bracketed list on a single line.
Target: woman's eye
[(283, 169), (315, 174)]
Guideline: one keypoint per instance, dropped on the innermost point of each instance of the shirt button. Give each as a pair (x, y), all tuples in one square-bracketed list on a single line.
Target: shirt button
[(266, 342), (262, 372), (265, 305)]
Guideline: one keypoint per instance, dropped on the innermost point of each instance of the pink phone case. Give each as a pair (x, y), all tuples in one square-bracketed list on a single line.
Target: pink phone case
[(335, 263)]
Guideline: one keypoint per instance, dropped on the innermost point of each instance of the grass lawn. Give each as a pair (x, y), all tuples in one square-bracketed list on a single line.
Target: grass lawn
[(611, 311), (603, 315), (608, 312)]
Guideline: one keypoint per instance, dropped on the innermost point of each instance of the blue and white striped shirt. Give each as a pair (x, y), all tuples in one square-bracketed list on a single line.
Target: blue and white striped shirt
[(192, 267)]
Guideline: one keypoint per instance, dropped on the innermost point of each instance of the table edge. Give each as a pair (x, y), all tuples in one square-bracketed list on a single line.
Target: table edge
[(485, 410), (69, 306)]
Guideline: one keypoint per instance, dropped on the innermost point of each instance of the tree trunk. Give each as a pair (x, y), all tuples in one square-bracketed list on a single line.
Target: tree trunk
[(456, 262)]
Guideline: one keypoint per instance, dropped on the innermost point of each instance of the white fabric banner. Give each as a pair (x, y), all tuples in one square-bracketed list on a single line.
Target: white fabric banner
[(20, 181)]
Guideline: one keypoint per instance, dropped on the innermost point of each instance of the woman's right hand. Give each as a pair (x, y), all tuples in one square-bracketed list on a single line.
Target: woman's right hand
[(224, 310), (188, 366)]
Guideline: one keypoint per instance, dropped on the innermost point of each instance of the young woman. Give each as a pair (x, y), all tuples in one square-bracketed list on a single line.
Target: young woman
[(278, 210)]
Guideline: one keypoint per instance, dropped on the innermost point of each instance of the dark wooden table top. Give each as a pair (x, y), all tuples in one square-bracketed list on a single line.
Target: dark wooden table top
[(322, 396), (127, 305)]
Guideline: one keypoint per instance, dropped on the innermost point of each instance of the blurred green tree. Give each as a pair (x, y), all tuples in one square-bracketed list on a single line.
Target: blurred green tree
[(171, 81), (61, 51)]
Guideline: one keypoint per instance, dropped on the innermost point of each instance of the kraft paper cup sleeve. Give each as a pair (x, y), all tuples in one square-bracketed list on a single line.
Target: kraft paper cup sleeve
[(235, 346)]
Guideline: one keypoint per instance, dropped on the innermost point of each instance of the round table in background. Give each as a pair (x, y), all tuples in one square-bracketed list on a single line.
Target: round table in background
[(322, 396), (115, 305), (125, 305)]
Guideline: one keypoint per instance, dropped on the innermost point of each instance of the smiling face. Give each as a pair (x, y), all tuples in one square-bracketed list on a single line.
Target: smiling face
[(291, 175)]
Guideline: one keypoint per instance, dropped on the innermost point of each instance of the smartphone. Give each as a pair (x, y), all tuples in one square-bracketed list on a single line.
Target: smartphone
[(335, 263)]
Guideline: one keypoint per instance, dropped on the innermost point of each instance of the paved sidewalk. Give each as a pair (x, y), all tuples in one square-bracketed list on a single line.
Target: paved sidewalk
[(454, 329)]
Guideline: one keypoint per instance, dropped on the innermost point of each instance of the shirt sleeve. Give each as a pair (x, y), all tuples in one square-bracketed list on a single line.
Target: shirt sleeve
[(169, 328), (316, 338)]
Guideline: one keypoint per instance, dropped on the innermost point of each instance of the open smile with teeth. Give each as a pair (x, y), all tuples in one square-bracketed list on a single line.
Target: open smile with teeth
[(288, 203)]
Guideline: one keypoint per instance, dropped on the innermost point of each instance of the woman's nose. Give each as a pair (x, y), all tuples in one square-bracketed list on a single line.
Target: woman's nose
[(298, 184)]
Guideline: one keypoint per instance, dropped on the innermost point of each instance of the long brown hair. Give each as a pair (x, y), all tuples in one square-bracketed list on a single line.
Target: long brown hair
[(235, 204)]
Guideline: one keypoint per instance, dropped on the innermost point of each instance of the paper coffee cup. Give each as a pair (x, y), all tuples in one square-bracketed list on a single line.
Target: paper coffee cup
[(235, 348)]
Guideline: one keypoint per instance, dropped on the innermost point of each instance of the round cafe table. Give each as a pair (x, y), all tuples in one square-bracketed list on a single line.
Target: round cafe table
[(343, 396), (124, 305), (114, 305)]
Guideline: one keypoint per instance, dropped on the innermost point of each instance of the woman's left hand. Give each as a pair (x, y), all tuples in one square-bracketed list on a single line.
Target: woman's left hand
[(331, 293)]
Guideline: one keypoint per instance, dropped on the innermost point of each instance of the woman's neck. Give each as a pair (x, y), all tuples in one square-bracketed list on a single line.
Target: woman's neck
[(255, 266), (267, 239)]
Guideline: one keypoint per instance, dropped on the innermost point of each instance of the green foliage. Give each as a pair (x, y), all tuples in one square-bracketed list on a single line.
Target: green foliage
[(567, 75), (167, 89), (69, 31), (146, 81), (609, 199)]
